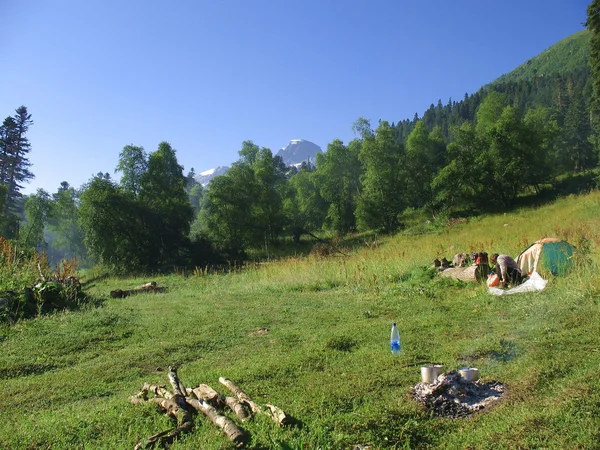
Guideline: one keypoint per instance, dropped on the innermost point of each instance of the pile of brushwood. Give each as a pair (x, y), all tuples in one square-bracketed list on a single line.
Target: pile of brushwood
[(452, 396), (50, 293), (183, 403)]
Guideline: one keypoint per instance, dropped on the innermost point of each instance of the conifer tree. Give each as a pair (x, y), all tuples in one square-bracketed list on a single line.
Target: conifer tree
[(14, 165)]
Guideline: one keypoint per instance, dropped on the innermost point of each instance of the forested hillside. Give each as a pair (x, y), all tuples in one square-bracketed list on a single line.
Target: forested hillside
[(518, 135)]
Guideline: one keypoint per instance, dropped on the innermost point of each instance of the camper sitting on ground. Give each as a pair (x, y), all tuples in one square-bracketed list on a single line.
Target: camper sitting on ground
[(507, 270)]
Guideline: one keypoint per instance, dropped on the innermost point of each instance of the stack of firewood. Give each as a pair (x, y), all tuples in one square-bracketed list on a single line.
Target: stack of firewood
[(182, 403)]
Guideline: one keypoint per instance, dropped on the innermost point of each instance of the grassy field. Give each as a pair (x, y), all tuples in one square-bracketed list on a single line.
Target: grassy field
[(324, 358)]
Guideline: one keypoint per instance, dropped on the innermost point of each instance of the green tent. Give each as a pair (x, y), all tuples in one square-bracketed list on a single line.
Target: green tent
[(547, 256)]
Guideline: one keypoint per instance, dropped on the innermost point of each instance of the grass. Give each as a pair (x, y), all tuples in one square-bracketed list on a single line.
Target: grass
[(65, 378)]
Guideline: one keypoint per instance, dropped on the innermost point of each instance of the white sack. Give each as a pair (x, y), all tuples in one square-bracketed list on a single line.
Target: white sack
[(534, 283)]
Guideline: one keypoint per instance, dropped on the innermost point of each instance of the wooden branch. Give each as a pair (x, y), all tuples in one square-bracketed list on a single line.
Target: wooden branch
[(159, 391), (41, 274), (241, 395), (142, 396), (167, 435), (183, 417), (233, 432), (176, 384)]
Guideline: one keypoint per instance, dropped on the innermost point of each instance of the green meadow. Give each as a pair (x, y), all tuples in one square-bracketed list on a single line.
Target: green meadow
[(310, 334)]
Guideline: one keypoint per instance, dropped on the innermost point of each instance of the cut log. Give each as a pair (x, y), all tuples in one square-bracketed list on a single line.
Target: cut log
[(277, 415), (209, 395), (241, 395), (147, 287), (233, 432), (237, 408), (471, 273)]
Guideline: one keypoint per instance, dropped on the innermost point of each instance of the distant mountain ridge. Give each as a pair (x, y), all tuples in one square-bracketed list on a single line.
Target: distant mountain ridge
[(203, 178), (294, 154)]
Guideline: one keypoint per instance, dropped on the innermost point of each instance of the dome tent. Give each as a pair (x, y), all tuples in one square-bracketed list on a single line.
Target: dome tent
[(549, 256)]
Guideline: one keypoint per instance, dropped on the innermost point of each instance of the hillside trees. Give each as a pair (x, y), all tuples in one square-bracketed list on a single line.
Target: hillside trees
[(490, 164), (593, 25), (14, 166), (579, 153)]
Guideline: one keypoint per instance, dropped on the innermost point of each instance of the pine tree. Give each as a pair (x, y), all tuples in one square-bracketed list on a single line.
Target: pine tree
[(14, 165)]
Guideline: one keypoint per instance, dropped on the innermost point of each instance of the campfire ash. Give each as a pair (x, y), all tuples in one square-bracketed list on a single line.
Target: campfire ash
[(452, 396)]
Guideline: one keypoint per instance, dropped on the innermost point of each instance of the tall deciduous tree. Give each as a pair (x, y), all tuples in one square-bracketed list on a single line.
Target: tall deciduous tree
[(133, 164), (383, 195), (37, 211), (63, 224), (116, 227), (304, 207), (163, 193), (337, 175), (425, 156), (226, 216)]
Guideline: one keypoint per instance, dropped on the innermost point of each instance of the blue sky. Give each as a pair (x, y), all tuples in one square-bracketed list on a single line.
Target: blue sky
[(97, 75)]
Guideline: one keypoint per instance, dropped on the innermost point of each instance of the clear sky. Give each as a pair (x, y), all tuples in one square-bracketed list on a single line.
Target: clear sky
[(97, 75)]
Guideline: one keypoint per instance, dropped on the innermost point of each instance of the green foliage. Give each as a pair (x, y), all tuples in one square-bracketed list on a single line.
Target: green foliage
[(425, 155), (163, 195), (489, 111), (14, 166), (63, 225), (133, 163), (116, 232), (38, 208), (304, 207), (491, 164), (593, 25), (244, 208), (337, 177), (383, 196)]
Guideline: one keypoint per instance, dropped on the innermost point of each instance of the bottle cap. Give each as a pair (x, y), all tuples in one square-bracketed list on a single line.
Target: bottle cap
[(393, 324)]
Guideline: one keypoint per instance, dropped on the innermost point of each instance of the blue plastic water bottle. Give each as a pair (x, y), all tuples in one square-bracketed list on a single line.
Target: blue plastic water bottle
[(395, 344)]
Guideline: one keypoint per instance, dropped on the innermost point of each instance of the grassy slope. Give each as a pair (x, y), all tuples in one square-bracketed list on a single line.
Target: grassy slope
[(65, 379), (565, 56)]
